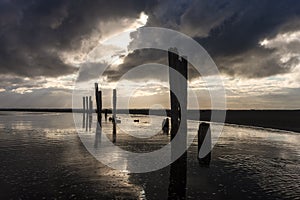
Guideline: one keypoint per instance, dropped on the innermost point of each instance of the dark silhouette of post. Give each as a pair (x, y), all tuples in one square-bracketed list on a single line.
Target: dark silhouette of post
[(165, 126), (86, 103), (178, 96), (114, 105), (204, 144), (90, 104), (99, 108), (114, 119), (98, 97), (83, 104)]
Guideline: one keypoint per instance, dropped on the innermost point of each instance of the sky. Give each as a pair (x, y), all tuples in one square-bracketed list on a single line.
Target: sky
[(47, 47)]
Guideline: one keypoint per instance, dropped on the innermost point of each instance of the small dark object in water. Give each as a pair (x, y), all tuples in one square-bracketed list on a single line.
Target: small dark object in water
[(136, 120), (165, 125), (110, 119)]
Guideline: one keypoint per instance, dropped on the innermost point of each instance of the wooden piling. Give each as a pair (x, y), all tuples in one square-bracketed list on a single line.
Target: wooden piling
[(99, 107), (114, 119), (83, 104), (114, 104), (91, 104), (98, 97), (87, 104), (204, 144), (178, 97)]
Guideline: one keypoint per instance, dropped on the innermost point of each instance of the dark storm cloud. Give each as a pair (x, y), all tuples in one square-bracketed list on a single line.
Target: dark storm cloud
[(34, 33), (231, 30), (238, 36)]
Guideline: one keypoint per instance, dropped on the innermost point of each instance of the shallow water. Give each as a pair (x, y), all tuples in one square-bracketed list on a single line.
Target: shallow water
[(43, 157)]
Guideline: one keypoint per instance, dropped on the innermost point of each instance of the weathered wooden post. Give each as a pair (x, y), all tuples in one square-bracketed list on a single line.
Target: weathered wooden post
[(114, 119), (178, 96), (91, 104), (98, 96), (86, 103), (114, 104), (83, 104), (99, 108), (86, 112), (83, 112), (204, 144)]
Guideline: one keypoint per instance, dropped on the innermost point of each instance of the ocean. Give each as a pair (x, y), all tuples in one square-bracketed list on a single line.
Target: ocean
[(49, 156)]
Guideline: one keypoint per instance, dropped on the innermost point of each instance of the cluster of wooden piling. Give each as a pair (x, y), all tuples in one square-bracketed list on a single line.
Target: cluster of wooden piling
[(88, 109), (87, 104)]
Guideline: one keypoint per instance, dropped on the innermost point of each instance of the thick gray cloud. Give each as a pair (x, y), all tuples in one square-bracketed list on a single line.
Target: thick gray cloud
[(33, 34), (231, 30)]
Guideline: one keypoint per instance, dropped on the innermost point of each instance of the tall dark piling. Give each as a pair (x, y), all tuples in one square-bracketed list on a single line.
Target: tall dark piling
[(178, 97), (86, 103), (204, 144), (114, 118), (98, 97), (90, 104), (83, 104), (114, 105)]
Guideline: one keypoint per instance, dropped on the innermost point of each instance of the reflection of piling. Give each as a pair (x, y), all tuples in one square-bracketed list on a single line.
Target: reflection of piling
[(106, 111), (86, 122), (204, 144), (90, 121), (98, 136), (178, 97), (114, 132), (83, 120)]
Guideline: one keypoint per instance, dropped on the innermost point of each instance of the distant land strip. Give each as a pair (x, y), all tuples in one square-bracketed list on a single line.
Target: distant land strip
[(277, 119)]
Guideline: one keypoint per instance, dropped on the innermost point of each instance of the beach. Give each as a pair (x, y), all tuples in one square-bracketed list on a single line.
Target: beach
[(42, 157)]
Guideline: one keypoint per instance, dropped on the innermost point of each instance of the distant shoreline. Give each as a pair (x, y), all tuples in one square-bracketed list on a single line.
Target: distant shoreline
[(288, 120)]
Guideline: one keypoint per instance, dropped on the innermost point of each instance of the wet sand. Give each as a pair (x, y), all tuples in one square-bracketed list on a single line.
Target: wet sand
[(42, 157)]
